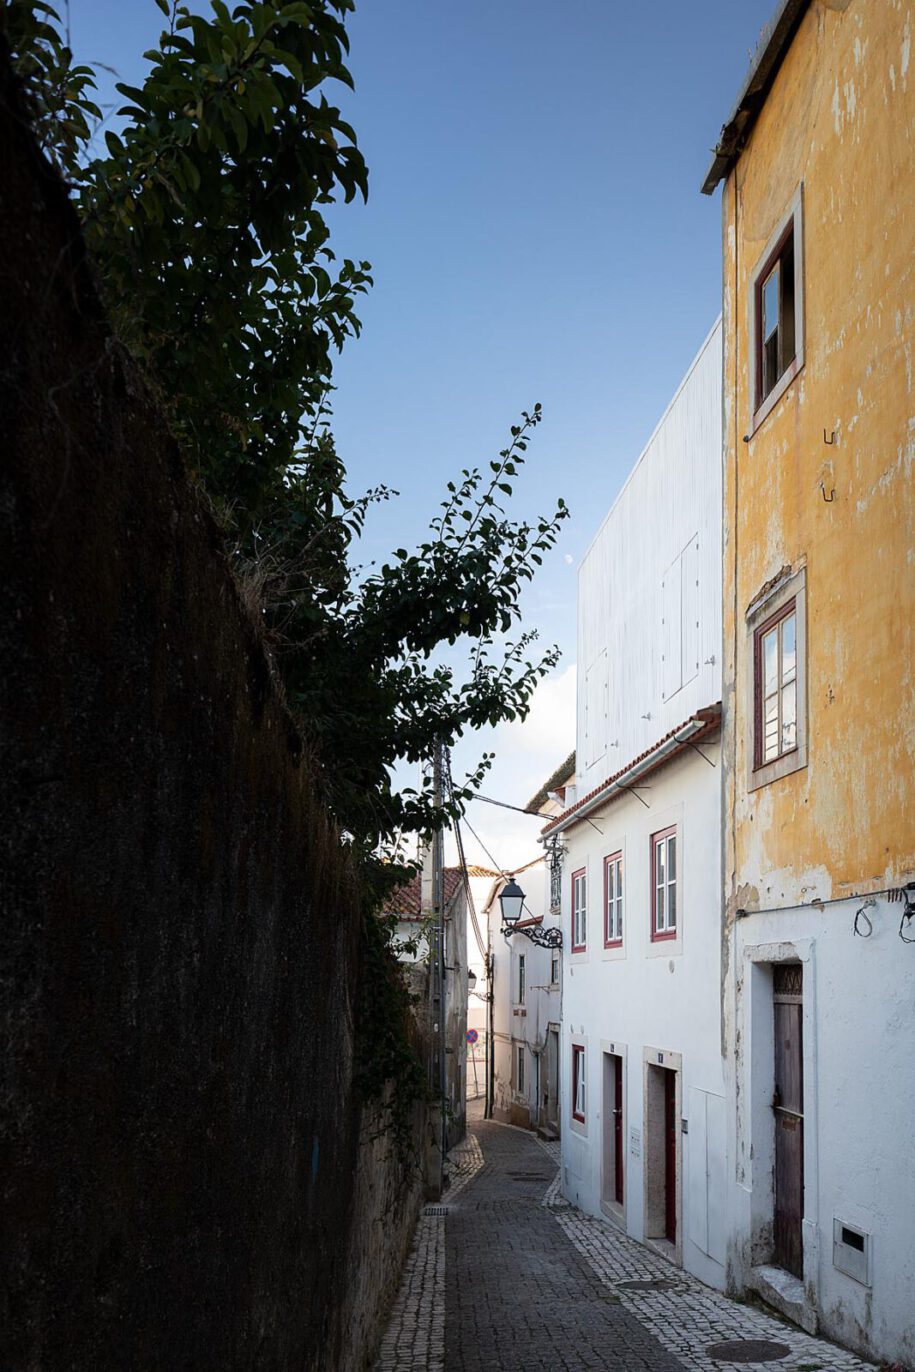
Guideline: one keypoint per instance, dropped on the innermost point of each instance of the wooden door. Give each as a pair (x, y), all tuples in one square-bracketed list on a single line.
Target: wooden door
[(618, 1129), (788, 1107), (670, 1156)]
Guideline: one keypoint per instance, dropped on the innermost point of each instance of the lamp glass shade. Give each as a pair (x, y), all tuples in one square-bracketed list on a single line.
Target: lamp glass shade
[(471, 979), (511, 898)]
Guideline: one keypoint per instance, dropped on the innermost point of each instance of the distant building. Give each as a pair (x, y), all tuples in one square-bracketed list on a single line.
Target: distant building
[(427, 970), (480, 881), (643, 1110), (526, 1009), (817, 163)]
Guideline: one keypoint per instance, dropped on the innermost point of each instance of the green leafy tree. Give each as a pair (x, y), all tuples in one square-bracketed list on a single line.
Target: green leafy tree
[(203, 215)]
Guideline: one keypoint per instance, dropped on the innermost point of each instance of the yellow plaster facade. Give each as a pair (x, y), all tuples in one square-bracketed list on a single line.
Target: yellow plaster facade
[(838, 124)]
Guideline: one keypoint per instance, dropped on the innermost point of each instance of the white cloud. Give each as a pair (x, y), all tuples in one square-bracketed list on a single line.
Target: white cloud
[(527, 753)]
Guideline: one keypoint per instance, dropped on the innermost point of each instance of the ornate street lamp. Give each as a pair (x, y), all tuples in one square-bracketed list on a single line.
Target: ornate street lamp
[(511, 899)]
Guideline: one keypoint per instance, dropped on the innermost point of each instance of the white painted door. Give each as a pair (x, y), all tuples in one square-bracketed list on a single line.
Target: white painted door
[(706, 1178)]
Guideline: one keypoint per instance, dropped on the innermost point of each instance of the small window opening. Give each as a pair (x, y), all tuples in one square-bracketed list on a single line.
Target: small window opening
[(776, 343)]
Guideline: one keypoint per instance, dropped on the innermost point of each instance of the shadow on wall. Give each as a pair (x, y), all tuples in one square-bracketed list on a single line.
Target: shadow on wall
[(183, 1170)]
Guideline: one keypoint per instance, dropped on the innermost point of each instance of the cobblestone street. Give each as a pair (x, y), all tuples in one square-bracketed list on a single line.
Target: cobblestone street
[(505, 1275)]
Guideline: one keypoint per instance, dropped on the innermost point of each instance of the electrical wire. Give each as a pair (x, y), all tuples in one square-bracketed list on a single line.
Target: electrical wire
[(518, 809), (462, 861), (813, 904), (861, 916), (495, 864)]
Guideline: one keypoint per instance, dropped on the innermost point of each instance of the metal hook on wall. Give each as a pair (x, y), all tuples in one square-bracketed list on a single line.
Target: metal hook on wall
[(831, 439), (832, 494)]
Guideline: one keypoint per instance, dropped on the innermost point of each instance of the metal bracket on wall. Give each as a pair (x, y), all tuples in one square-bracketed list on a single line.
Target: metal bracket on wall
[(544, 938)]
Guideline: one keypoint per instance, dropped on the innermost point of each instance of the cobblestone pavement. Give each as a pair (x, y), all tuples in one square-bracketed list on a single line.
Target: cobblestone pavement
[(533, 1284)]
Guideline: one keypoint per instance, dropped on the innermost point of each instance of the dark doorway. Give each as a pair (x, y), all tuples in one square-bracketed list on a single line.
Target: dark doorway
[(551, 1095), (670, 1156), (618, 1132), (788, 1107), (612, 1167)]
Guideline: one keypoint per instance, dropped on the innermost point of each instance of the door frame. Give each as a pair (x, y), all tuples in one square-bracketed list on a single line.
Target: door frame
[(552, 1101), (788, 1120), (655, 1152), (613, 1209), (755, 1130)]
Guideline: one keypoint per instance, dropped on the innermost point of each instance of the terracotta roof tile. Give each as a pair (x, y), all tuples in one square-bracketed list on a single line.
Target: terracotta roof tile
[(406, 901)]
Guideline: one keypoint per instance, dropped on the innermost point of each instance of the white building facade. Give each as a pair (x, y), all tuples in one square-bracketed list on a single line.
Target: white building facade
[(527, 987), (643, 1118)]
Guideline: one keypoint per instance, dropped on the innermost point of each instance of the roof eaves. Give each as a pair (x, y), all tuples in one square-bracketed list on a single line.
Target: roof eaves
[(699, 725), (770, 53)]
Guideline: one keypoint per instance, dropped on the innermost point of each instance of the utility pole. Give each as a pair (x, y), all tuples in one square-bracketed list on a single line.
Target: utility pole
[(433, 904)]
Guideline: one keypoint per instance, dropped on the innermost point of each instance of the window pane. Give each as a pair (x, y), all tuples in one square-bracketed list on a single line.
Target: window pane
[(789, 653), (787, 330), (789, 717), (770, 661), (659, 908), (659, 863), (672, 858), (770, 293), (672, 905), (770, 728)]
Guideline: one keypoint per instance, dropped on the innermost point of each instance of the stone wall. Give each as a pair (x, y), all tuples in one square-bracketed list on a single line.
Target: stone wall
[(187, 1179)]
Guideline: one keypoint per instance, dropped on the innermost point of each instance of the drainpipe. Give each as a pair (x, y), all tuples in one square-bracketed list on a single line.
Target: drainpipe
[(490, 1039)]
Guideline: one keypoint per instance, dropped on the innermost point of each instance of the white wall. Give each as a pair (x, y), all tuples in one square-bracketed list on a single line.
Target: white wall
[(477, 1009), (640, 652), (650, 998), (858, 1089), (649, 655), (524, 1025)]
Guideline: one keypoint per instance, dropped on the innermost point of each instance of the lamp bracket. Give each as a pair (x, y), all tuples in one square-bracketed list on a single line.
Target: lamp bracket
[(544, 938)]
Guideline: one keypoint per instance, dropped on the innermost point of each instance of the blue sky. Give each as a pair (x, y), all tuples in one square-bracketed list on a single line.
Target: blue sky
[(537, 234)]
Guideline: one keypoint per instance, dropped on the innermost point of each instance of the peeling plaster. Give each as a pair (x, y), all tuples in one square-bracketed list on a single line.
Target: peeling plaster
[(841, 824)]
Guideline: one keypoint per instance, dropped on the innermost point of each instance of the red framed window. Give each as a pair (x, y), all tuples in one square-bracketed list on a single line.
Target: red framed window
[(521, 986), (613, 900), (664, 873), (579, 910), (578, 1082), (775, 686)]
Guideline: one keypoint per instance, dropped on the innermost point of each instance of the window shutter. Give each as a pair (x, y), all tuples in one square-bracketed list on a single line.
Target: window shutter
[(671, 650)]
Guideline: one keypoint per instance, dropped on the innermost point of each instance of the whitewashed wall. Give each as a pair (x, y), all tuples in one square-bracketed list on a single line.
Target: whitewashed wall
[(649, 653), (660, 997), (649, 587), (520, 1025), (477, 1009), (858, 1168)]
